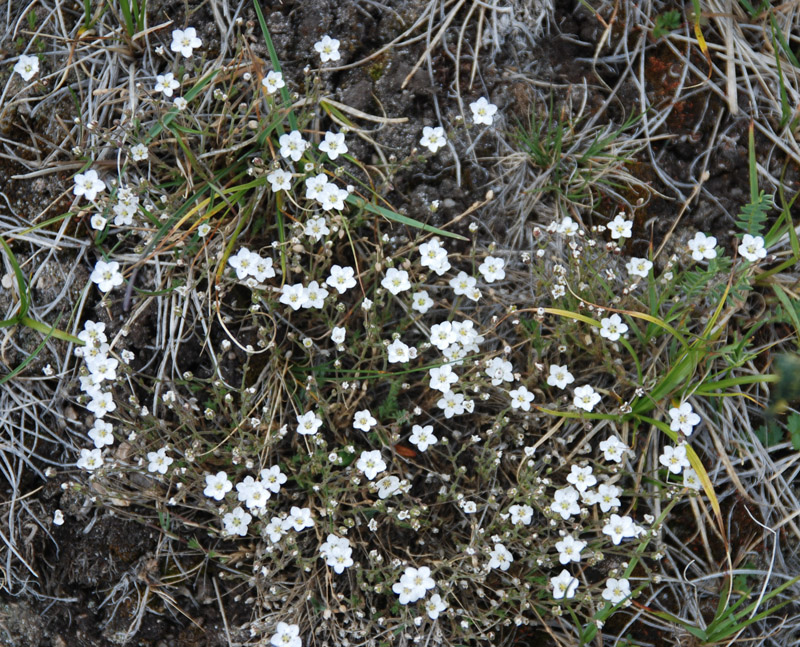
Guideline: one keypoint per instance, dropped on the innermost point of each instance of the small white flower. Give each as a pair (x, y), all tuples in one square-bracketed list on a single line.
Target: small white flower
[(691, 480), (607, 497), (396, 281), (559, 376), (27, 67), (236, 522), (500, 557), (388, 486), (452, 404), (492, 269), (90, 459), (639, 267), (520, 514), (273, 82), (462, 283), (433, 138), (567, 227), (180, 103), (308, 424), (585, 397), (280, 180), (298, 519), (612, 327), (88, 185), (521, 398), (398, 352), (564, 585), (184, 41), (616, 590), (272, 478), (703, 247), (286, 635), (106, 275), (364, 420), (581, 477), (569, 549), (98, 222), (139, 152), (341, 278), (159, 461), (482, 111), (328, 49), (434, 606), (442, 378), (674, 458), (293, 296), (315, 296), (752, 248), (619, 528), (422, 437), (316, 228), (217, 485), (421, 302), (684, 419), (166, 83), (333, 145), (371, 463), (292, 145), (620, 228), (102, 434), (338, 334), (613, 449), (58, 518)]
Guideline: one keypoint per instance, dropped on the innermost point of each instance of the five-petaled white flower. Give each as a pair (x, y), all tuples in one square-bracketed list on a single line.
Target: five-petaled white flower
[(371, 463), (396, 281), (398, 352), (500, 557), (90, 459), (328, 49), (308, 423), (292, 145), (639, 267), (106, 275), (521, 398), (683, 418), (185, 40), (567, 226), (341, 278), (139, 152), (166, 83), (280, 180), (433, 138), (159, 461), (569, 549), (619, 528), (364, 420), (613, 449), (236, 522), (217, 486), (421, 301), (620, 228), (434, 606), (564, 585), (585, 397), (752, 248), (674, 458), (333, 145), (612, 327), (422, 437), (559, 376), (482, 111), (703, 247), (492, 269), (88, 184), (616, 590), (273, 82), (27, 67), (520, 514), (286, 635), (581, 477), (298, 519)]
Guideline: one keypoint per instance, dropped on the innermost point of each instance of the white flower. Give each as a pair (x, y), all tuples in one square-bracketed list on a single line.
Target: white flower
[(612, 327), (388, 486), (293, 296), (452, 404), (691, 480), (337, 334), (482, 111), (639, 267), (616, 590), (364, 420), (101, 434), (106, 275), (434, 256), (98, 222), (242, 262), (564, 585), (421, 302), (422, 437), (280, 180), (703, 247), (286, 635), (492, 269), (684, 419), (500, 557), (414, 584), (462, 283), (398, 352), (500, 370), (180, 103), (620, 527), (674, 458), (273, 82), (613, 449), (217, 486), (442, 377), (166, 83), (298, 519), (184, 41), (469, 507), (261, 268), (27, 67), (272, 478), (442, 335), (433, 138), (559, 376), (341, 278), (607, 496), (90, 459), (565, 502), (569, 549), (567, 226), (139, 152), (88, 185), (396, 281), (315, 296), (520, 514), (308, 424), (620, 228), (159, 461), (585, 397), (337, 553), (371, 463), (274, 529), (332, 197), (316, 228), (328, 49), (333, 145), (434, 606), (292, 145), (521, 398), (236, 522), (581, 477), (752, 248), (58, 518)]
